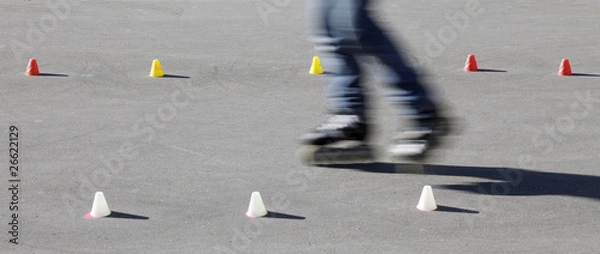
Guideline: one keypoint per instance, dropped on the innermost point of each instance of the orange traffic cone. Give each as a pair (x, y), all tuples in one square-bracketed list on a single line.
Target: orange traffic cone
[(32, 68), (565, 68), (471, 64)]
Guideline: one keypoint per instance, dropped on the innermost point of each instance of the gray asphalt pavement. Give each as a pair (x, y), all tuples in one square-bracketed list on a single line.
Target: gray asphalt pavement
[(178, 157)]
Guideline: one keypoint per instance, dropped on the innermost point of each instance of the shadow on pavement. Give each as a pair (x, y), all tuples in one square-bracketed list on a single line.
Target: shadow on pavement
[(120, 215), (53, 75), (174, 76), (491, 70), (283, 216), (506, 181), (586, 75), (450, 209)]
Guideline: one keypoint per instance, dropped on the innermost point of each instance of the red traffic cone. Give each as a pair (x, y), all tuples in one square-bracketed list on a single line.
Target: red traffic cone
[(32, 68), (565, 68), (471, 64)]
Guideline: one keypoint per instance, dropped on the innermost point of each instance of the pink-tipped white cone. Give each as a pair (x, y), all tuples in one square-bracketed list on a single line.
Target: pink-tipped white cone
[(427, 201), (256, 208), (99, 207)]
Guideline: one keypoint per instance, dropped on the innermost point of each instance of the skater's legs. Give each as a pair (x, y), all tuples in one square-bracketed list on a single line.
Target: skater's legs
[(335, 31), (345, 94), (342, 30), (412, 98)]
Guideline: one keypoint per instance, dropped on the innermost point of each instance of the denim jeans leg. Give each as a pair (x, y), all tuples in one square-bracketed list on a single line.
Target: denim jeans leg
[(407, 93), (335, 33)]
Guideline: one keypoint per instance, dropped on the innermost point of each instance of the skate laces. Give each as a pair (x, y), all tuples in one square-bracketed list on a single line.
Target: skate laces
[(337, 122)]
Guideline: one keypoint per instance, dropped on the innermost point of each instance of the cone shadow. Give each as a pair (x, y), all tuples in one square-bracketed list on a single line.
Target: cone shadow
[(450, 209), (491, 70), (276, 215), (60, 75), (589, 75), (174, 76), (119, 215)]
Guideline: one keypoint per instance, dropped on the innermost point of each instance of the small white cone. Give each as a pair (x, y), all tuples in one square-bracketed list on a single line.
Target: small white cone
[(256, 208), (99, 207), (427, 201)]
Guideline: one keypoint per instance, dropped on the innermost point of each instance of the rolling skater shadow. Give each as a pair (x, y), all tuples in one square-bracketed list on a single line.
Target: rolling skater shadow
[(500, 180)]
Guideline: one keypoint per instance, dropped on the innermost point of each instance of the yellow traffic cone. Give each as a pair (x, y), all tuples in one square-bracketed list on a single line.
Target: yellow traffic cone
[(316, 68), (156, 70)]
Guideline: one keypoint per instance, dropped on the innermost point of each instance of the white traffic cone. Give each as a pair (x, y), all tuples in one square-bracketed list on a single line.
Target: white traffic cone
[(427, 201), (99, 207), (256, 208)]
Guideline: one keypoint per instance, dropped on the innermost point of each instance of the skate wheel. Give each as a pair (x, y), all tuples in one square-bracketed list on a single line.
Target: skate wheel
[(408, 150), (315, 155)]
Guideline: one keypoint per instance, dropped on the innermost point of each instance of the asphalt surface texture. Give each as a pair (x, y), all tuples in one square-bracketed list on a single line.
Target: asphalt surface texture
[(178, 157)]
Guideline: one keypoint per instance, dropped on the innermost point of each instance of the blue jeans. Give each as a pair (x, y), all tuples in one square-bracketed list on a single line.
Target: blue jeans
[(342, 30)]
